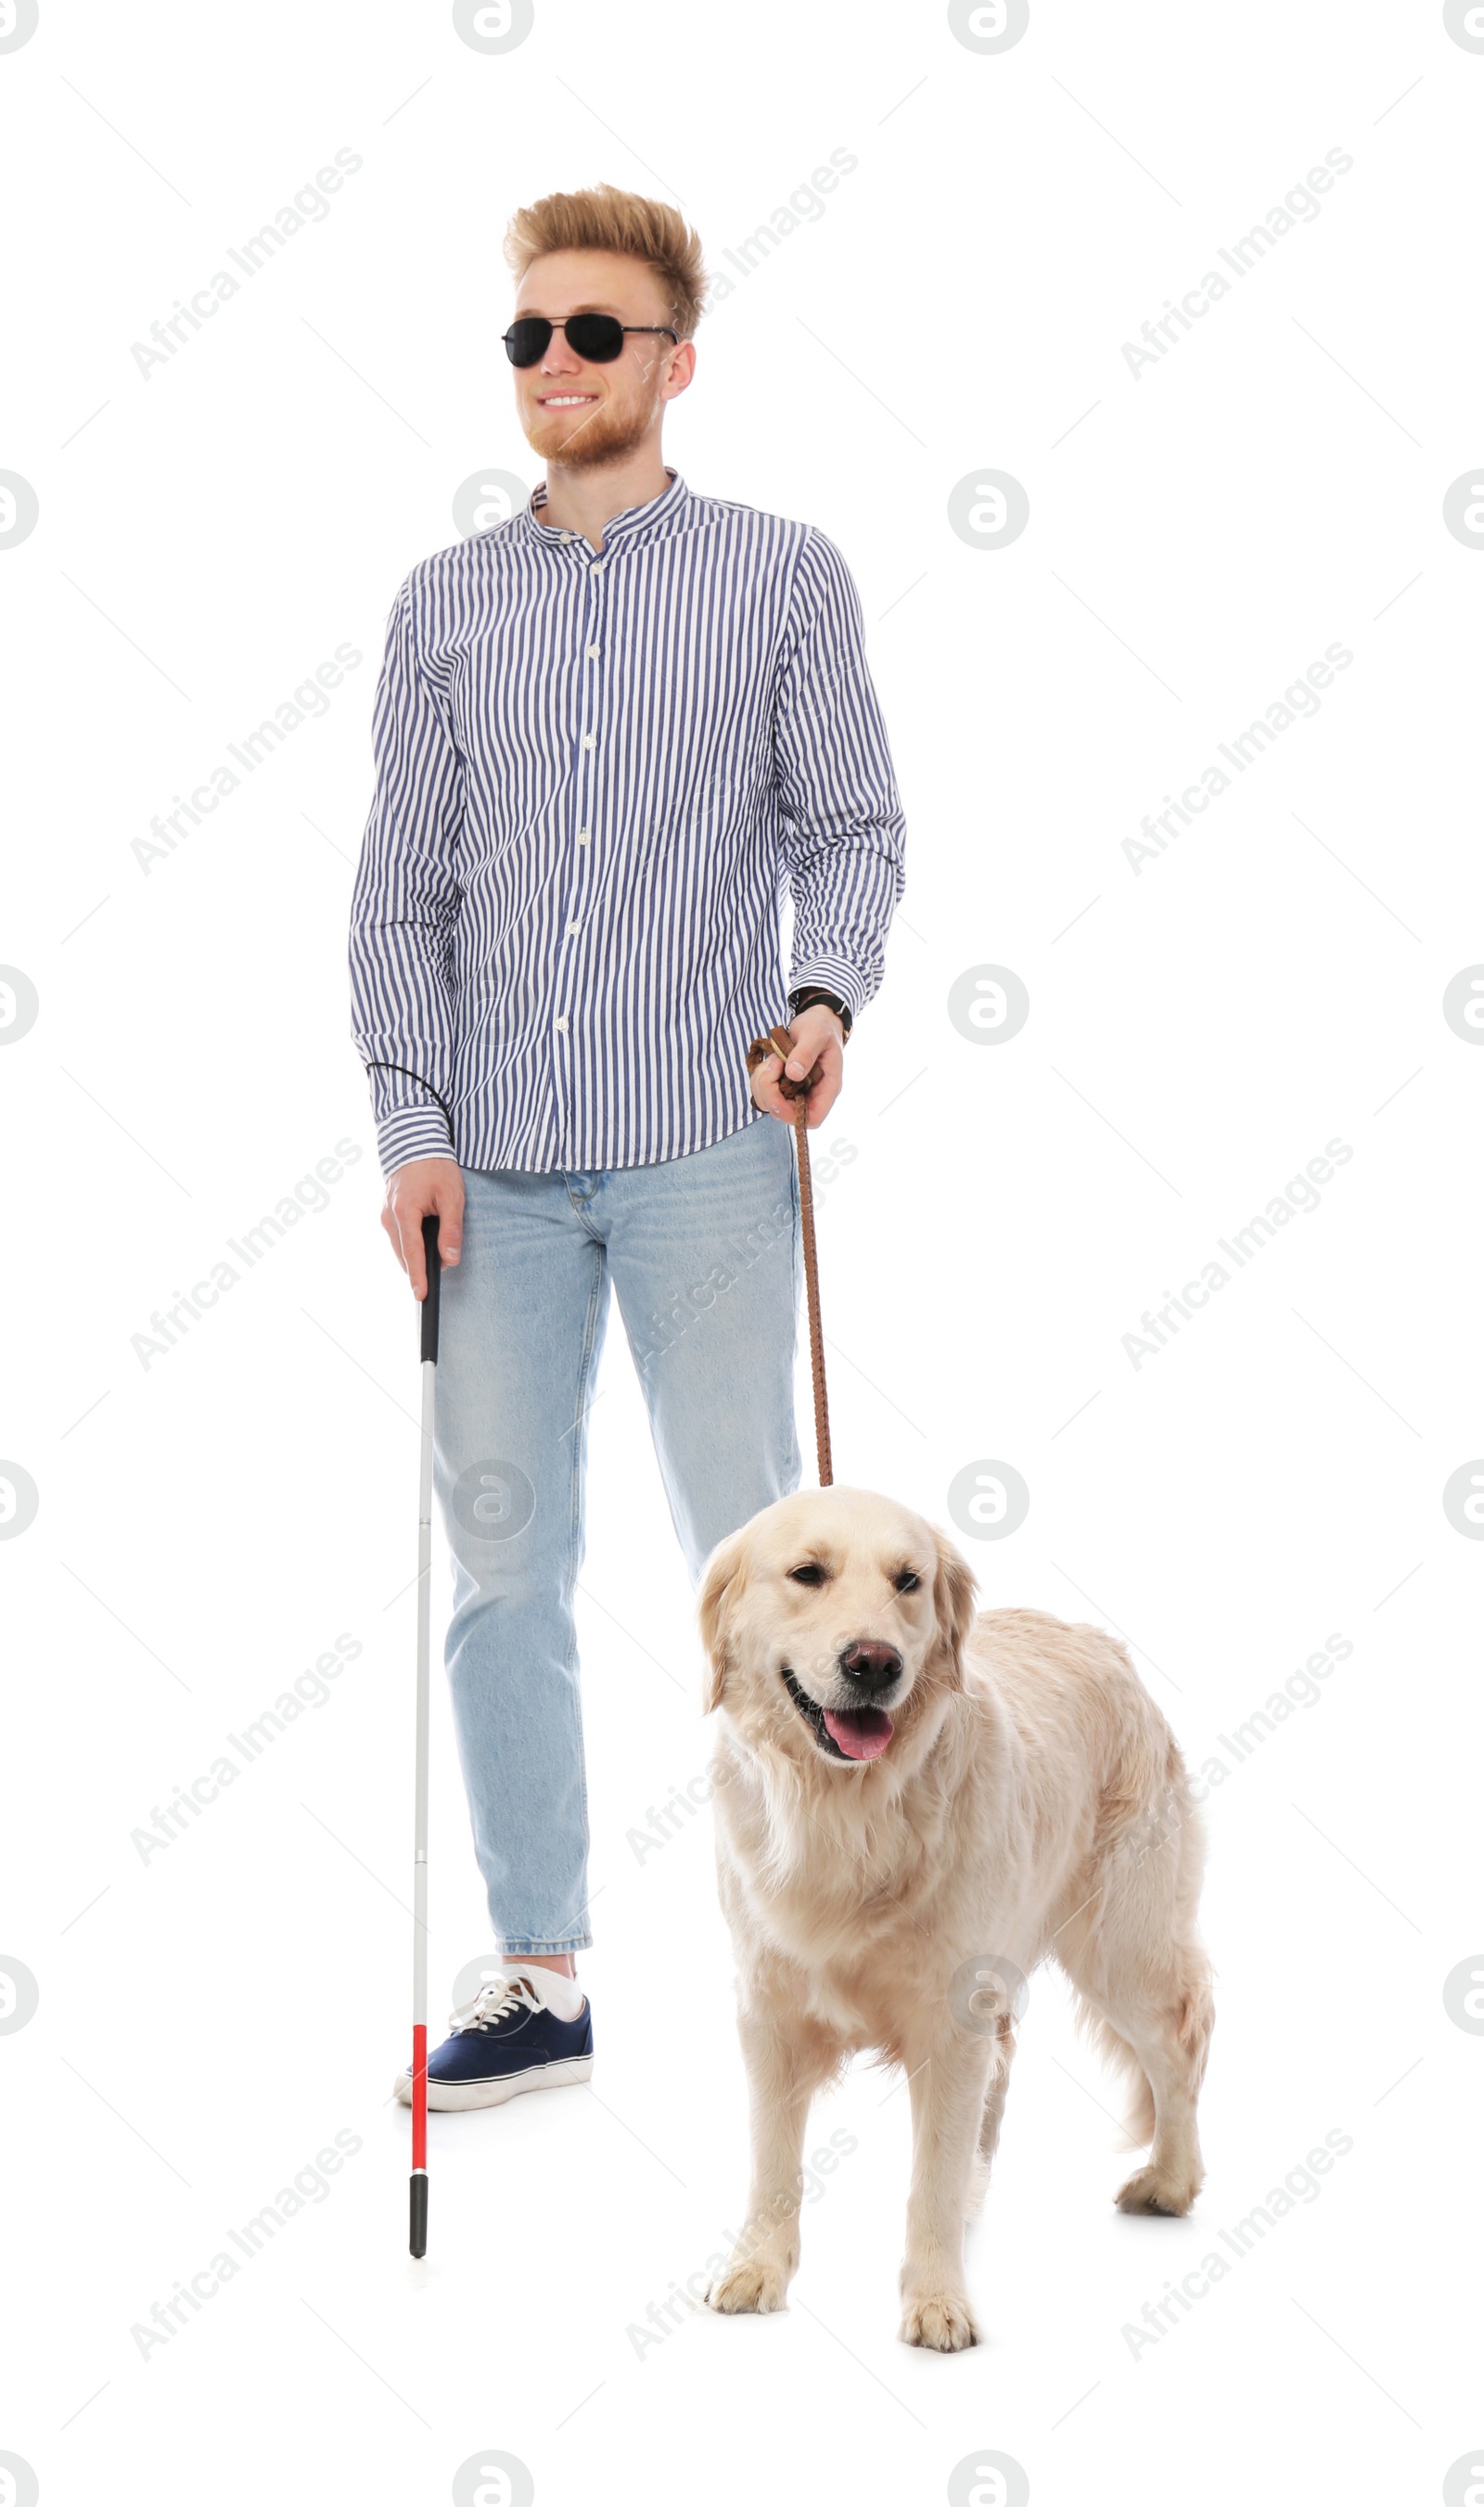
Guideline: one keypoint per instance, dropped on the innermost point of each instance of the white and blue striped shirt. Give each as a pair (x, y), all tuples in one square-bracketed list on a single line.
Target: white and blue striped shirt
[(596, 777)]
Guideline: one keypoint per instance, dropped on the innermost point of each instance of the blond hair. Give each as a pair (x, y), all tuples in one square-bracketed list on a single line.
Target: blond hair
[(605, 219)]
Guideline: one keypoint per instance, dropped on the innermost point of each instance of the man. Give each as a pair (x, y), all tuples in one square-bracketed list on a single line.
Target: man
[(606, 732)]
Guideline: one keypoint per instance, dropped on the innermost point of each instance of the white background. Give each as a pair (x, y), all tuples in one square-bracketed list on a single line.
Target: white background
[(1199, 1030)]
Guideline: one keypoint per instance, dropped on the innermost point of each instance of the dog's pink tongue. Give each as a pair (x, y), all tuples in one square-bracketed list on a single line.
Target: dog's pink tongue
[(860, 1731)]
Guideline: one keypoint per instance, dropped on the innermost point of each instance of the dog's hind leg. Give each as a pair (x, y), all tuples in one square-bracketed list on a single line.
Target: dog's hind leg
[(1168, 2030), (1139, 1966), (788, 2057)]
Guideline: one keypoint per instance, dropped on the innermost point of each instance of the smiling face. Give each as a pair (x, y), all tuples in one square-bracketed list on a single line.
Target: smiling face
[(834, 1622), (578, 415)]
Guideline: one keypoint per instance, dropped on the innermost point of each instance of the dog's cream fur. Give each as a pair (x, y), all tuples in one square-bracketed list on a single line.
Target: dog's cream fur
[(1032, 1803)]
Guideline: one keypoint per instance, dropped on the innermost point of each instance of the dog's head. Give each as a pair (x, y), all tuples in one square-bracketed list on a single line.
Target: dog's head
[(834, 1624)]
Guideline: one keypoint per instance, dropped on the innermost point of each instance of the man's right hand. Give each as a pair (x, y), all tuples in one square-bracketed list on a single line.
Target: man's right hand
[(414, 1191)]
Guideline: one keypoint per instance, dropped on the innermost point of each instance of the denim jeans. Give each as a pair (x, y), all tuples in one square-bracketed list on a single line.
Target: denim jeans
[(703, 1253)]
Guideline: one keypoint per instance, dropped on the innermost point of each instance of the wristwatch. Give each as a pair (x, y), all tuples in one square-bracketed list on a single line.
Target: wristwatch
[(811, 993)]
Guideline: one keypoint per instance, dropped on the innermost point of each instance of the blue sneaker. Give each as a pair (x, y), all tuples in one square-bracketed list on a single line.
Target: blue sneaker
[(530, 2028)]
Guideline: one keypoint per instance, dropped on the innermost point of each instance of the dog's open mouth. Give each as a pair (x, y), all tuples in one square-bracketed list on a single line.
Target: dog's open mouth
[(843, 1731)]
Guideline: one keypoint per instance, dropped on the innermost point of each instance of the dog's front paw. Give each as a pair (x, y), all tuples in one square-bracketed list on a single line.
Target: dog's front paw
[(758, 2285), (937, 2321), (1153, 2189)]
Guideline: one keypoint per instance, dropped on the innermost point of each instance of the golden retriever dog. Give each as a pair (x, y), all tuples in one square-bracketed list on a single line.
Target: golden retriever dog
[(915, 1806)]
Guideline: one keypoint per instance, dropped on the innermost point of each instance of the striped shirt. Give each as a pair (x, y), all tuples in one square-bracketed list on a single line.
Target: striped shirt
[(597, 776)]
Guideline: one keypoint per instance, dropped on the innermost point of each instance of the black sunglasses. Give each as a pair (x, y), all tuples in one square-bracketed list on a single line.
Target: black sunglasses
[(598, 337)]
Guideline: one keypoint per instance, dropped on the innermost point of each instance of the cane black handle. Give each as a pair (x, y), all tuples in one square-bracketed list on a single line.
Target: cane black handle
[(433, 1261)]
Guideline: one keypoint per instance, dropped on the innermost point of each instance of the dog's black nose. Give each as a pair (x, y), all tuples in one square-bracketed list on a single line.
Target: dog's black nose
[(871, 1667)]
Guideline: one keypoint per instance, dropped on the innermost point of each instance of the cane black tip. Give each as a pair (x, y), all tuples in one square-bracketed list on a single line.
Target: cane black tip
[(418, 2215)]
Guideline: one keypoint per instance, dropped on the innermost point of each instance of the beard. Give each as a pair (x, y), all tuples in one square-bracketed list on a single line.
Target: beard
[(601, 435)]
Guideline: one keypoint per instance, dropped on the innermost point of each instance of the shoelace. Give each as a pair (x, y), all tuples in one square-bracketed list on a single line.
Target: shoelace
[(495, 2001)]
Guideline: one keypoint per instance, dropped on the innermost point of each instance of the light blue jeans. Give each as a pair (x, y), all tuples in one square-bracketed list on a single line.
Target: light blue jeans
[(703, 1253)]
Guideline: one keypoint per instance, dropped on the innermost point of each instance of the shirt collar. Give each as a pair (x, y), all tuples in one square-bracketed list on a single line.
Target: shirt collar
[(644, 521)]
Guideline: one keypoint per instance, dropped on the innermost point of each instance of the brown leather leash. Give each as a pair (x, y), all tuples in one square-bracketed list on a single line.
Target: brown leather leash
[(778, 1041)]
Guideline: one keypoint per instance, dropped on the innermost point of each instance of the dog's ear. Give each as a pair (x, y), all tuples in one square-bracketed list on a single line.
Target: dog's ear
[(720, 1574), (953, 1602)]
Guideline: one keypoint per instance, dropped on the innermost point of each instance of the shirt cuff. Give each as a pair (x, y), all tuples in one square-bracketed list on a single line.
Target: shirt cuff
[(811, 996), (410, 1131), (832, 975)]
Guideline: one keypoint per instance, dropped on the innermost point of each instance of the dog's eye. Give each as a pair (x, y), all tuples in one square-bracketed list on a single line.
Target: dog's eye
[(907, 1580), (812, 1573)]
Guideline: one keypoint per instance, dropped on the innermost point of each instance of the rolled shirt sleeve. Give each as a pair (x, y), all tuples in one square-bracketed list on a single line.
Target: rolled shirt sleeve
[(405, 905), (842, 822)]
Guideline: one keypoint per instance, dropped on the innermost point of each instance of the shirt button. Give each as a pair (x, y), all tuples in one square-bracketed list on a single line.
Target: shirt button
[(584, 835), (597, 564), (561, 1025), (592, 652), (568, 537), (572, 931), (588, 740)]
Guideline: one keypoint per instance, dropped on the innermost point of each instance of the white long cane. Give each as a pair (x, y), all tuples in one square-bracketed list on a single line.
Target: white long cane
[(417, 2207)]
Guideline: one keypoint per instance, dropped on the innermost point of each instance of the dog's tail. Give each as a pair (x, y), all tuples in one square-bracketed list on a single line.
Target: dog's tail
[(1192, 2009), (1119, 2055), (1134, 1952)]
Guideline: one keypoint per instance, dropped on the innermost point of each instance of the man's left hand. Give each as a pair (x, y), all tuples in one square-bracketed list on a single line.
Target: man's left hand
[(818, 1038)]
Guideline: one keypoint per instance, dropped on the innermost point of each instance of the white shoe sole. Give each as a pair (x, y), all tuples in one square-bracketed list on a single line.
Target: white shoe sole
[(445, 2097)]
